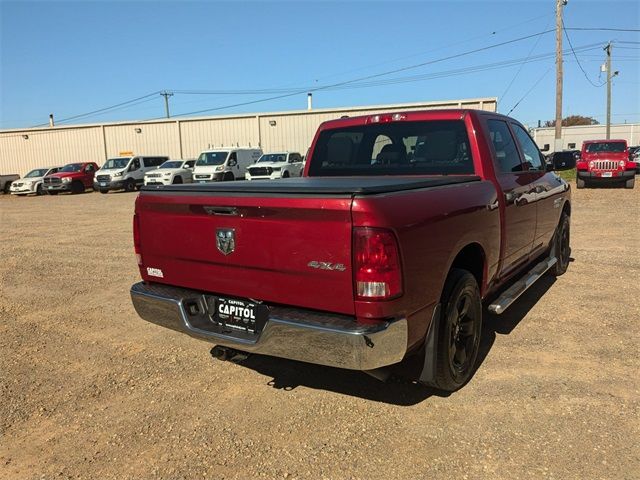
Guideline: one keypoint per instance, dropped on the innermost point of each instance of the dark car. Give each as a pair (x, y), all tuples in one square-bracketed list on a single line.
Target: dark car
[(562, 160)]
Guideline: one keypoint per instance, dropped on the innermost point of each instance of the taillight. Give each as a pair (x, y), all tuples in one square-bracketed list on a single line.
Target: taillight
[(136, 238), (376, 265)]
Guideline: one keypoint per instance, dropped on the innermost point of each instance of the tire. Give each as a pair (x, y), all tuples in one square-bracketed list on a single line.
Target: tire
[(53, 193), (228, 177), (77, 187), (39, 189), (129, 185), (104, 190), (177, 180), (561, 246), (580, 183), (285, 175), (630, 183), (459, 331), (7, 187)]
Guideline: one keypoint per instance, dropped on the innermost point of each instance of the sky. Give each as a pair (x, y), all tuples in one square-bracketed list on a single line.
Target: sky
[(71, 58)]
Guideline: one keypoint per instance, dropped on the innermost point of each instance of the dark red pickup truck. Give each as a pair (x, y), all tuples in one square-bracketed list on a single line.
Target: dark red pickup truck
[(384, 252)]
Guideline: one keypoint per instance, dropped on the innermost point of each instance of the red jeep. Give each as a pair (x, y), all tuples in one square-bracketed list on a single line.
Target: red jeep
[(605, 161), (74, 178)]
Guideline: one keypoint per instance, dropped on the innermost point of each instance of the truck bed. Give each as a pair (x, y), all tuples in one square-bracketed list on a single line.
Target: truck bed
[(317, 185)]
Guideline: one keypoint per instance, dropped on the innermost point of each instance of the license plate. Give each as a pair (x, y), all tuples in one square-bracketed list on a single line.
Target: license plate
[(607, 174), (202, 181), (103, 184), (239, 315)]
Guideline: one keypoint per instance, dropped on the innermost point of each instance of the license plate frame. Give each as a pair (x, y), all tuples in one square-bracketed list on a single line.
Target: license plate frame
[(607, 174), (103, 184), (238, 315)]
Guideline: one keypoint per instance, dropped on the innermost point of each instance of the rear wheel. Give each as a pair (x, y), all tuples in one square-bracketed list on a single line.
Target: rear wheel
[(630, 183), (77, 187), (561, 246), (129, 185), (459, 331), (580, 183)]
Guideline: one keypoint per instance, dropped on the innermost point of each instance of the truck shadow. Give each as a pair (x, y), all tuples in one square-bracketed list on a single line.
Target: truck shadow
[(289, 374)]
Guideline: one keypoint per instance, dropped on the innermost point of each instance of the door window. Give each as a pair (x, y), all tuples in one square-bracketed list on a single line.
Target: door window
[(532, 156), (507, 158), (135, 165)]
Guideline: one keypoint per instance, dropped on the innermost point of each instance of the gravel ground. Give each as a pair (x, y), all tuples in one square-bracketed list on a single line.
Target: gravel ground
[(88, 390)]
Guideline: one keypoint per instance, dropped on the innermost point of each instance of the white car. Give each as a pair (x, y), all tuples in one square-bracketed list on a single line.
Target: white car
[(171, 172), (32, 182), (271, 166)]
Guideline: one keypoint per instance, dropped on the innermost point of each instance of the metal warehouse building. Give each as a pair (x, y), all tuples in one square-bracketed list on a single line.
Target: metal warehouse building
[(572, 137), (24, 149)]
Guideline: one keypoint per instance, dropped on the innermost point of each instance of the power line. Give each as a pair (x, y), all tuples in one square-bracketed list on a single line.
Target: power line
[(576, 57), (602, 29), (530, 90), (389, 72)]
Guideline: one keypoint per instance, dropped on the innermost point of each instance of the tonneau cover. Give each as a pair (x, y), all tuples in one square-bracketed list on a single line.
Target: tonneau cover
[(317, 185)]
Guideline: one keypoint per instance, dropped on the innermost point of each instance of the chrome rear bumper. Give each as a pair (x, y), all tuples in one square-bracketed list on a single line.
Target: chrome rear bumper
[(305, 335)]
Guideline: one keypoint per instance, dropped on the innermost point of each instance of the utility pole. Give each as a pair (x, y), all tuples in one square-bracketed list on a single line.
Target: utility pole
[(610, 75), (166, 96), (558, 124)]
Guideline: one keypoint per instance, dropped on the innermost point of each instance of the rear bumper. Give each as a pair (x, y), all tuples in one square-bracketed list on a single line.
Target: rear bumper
[(297, 334)]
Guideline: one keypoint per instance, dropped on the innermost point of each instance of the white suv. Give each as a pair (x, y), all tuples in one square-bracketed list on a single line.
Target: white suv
[(171, 172), (32, 182), (271, 166)]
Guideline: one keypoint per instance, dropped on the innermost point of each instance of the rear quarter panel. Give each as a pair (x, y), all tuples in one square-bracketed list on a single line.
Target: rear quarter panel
[(432, 226)]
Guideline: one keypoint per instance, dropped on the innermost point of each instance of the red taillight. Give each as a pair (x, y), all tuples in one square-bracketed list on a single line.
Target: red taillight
[(376, 265), (136, 238)]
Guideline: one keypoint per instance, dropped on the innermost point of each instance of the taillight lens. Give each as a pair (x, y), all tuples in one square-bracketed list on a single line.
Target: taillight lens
[(377, 271), (136, 238)]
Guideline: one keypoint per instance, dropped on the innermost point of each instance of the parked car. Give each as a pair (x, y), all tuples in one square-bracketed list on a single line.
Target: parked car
[(563, 160), (271, 166), (224, 164), (171, 172), (73, 177), (605, 162), (383, 252), (126, 172), (32, 182), (5, 182)]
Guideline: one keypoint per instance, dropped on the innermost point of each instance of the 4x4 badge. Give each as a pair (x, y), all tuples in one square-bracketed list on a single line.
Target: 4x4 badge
[(226, 240)]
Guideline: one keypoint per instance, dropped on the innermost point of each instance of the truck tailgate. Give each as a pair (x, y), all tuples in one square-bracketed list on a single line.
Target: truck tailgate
[(275, 239)]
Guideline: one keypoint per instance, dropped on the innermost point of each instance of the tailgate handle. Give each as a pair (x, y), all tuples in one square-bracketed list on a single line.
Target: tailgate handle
[(221, 210)]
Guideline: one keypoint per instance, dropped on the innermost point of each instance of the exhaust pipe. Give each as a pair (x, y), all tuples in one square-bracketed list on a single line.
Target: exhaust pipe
[(226, 354)]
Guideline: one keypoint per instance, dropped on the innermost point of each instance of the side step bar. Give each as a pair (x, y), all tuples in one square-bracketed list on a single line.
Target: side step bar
[(512, 293)]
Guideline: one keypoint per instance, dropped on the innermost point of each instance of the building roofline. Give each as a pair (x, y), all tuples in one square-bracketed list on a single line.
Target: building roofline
[(431, 104)]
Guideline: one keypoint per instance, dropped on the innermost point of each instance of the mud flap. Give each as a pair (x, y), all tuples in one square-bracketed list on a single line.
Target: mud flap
[(428, 374)]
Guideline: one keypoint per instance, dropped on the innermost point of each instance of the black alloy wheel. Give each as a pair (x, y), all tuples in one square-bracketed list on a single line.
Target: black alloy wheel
[(562, 245), (459, 331)]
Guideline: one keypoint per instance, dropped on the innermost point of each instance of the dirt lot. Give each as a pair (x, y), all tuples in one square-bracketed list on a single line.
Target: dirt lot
[(88, 390)]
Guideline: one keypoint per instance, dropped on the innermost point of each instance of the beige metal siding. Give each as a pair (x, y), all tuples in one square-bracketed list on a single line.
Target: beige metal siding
[(185, 138), (199, 135), (153, 139), (49, 148), (578, 134)]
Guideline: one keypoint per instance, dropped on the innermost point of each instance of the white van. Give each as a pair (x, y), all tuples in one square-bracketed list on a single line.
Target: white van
[(125, 173), (224, 164)]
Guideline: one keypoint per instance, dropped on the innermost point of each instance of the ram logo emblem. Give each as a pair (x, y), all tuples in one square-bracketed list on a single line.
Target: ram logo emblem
[(226, 240)]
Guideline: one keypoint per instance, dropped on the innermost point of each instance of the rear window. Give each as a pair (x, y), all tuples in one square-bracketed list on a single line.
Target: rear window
[(402, 148), (605, 147)]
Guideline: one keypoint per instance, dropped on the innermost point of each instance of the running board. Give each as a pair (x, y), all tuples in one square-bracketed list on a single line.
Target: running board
[(512, 293)]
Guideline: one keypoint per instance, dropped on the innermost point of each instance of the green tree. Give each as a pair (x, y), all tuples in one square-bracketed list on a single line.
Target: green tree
[(573, 120)]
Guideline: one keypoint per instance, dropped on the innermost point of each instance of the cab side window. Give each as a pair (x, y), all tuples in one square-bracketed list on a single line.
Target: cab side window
[(507, 157), (135, 165), (532, 156), (89, 168)]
